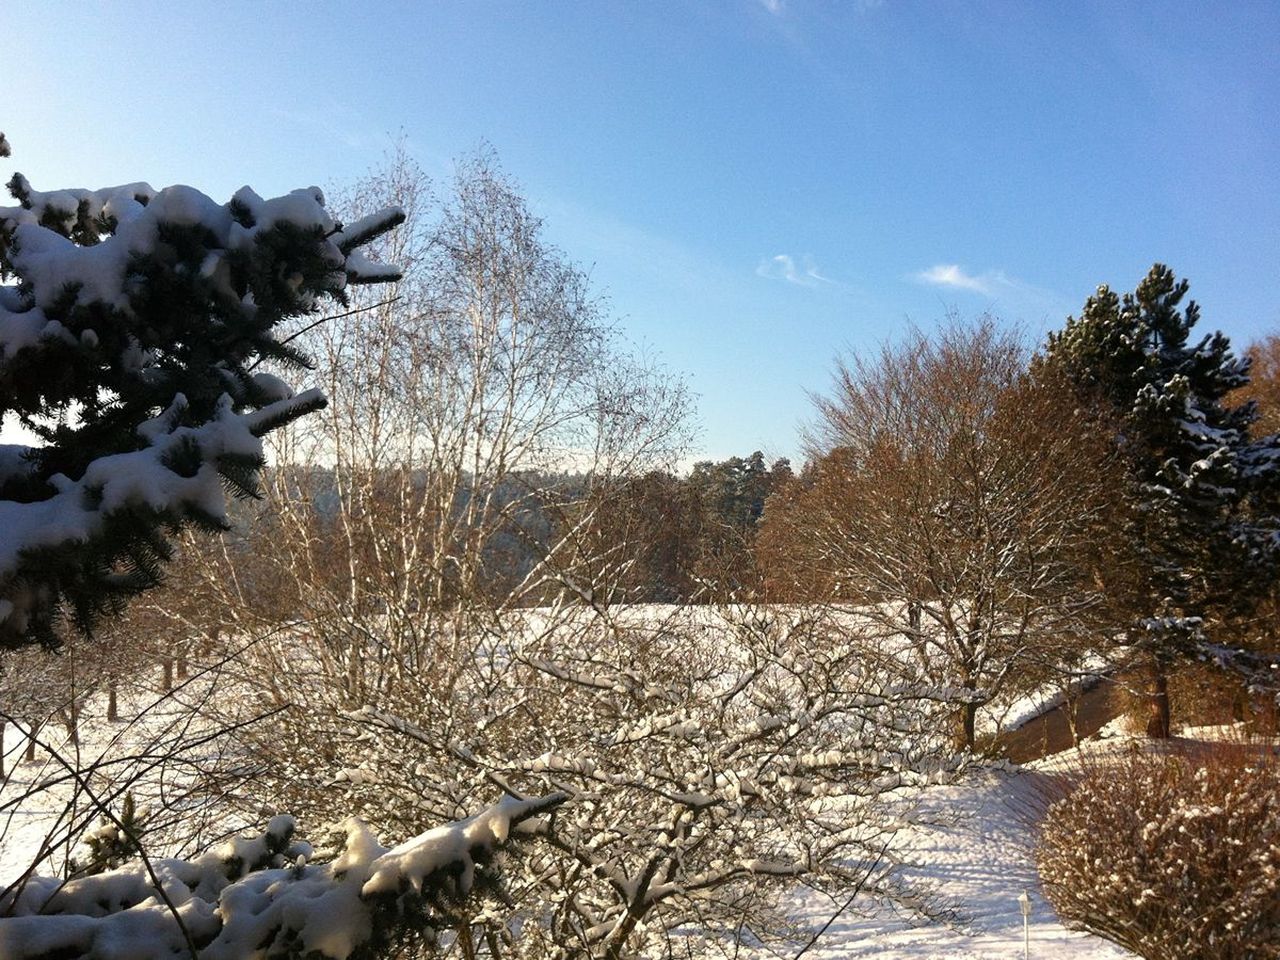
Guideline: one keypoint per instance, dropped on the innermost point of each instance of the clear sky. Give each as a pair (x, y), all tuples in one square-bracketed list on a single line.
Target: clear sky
[(755, 184)]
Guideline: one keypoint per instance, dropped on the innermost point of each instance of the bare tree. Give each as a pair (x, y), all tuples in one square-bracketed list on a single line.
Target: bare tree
[(433, 489), (958, 503)]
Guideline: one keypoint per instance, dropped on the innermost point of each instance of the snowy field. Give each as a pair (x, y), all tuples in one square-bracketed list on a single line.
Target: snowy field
[(162, 750), (974, 855)]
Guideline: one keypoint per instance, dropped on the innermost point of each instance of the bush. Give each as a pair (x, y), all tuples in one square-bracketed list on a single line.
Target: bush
[(1172, 855)]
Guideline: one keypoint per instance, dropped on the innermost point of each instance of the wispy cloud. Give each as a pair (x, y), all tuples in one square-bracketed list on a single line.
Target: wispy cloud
[(955, 277), (779, 7), (784, 267), (1035, 305)]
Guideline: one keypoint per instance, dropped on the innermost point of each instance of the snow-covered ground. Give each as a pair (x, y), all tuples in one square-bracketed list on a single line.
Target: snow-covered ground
[(975, 857), (161, 750)]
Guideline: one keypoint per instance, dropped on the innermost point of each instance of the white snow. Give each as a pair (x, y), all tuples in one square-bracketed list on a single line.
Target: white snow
[(976, 856), (330, 907)]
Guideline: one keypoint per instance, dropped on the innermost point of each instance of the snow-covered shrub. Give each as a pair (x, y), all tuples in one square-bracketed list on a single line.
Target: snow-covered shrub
[(713, 757), (263, 897), (1175, 856)]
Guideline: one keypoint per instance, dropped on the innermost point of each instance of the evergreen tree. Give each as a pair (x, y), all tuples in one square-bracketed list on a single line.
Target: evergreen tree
[(731, 495), (1202, 493), (132, 324)]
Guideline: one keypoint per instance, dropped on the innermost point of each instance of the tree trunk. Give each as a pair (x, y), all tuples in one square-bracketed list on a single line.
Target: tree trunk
[(464, 941), (1, 751), (71, 720), (168, 675), (31, 743), (966, 724), (967, 713), (1158, 726), (1071, 697), (113, 709)]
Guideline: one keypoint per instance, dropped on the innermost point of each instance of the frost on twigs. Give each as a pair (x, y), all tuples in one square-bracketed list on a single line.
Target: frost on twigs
[(261, 897), (131, 324)]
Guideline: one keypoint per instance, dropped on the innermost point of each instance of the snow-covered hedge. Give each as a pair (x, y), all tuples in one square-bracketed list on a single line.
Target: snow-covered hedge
[(259, 897), (713, 756), (1171, 856)]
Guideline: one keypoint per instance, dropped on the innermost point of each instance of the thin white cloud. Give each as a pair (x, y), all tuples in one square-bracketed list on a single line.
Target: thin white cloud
[(953, 276), (775, 7), (784, 267)]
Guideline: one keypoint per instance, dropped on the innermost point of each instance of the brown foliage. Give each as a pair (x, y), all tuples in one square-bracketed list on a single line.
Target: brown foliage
[(1264, 384), (960, 501)]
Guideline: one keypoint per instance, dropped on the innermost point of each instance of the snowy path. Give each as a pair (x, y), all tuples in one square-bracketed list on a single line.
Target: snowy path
[(978, 858)]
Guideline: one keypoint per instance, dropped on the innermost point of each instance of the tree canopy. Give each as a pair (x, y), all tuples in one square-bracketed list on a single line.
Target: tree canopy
[(1202, 491)]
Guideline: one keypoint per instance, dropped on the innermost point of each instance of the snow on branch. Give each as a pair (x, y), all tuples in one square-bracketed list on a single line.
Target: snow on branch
[(129, 344), (157, 479), (261, 897), (711, 756), (1260, 671)]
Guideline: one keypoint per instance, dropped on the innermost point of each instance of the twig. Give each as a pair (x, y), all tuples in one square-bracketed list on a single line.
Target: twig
[(105, 810), (334, 316), (849, 902)]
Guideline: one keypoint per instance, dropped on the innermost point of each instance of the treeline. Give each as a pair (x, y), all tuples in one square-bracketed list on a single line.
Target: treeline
[(696, 534), (1003, 514), (690, 536)]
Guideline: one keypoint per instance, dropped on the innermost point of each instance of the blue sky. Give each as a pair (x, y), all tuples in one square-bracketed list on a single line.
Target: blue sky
[(755, 184)]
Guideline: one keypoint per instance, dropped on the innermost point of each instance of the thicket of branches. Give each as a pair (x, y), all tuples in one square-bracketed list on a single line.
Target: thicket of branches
[(712, 757)]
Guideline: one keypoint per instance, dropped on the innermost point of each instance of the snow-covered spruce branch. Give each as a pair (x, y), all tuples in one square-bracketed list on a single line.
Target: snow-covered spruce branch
[(1259, 671), (261, 897), (128, 344), (156, 482)]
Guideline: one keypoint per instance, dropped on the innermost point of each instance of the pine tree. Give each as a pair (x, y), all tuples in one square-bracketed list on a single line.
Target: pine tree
[(132, 326), (1202, 493)]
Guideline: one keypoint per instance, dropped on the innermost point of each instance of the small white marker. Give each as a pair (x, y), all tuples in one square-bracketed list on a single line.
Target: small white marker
[(1024, 901)]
